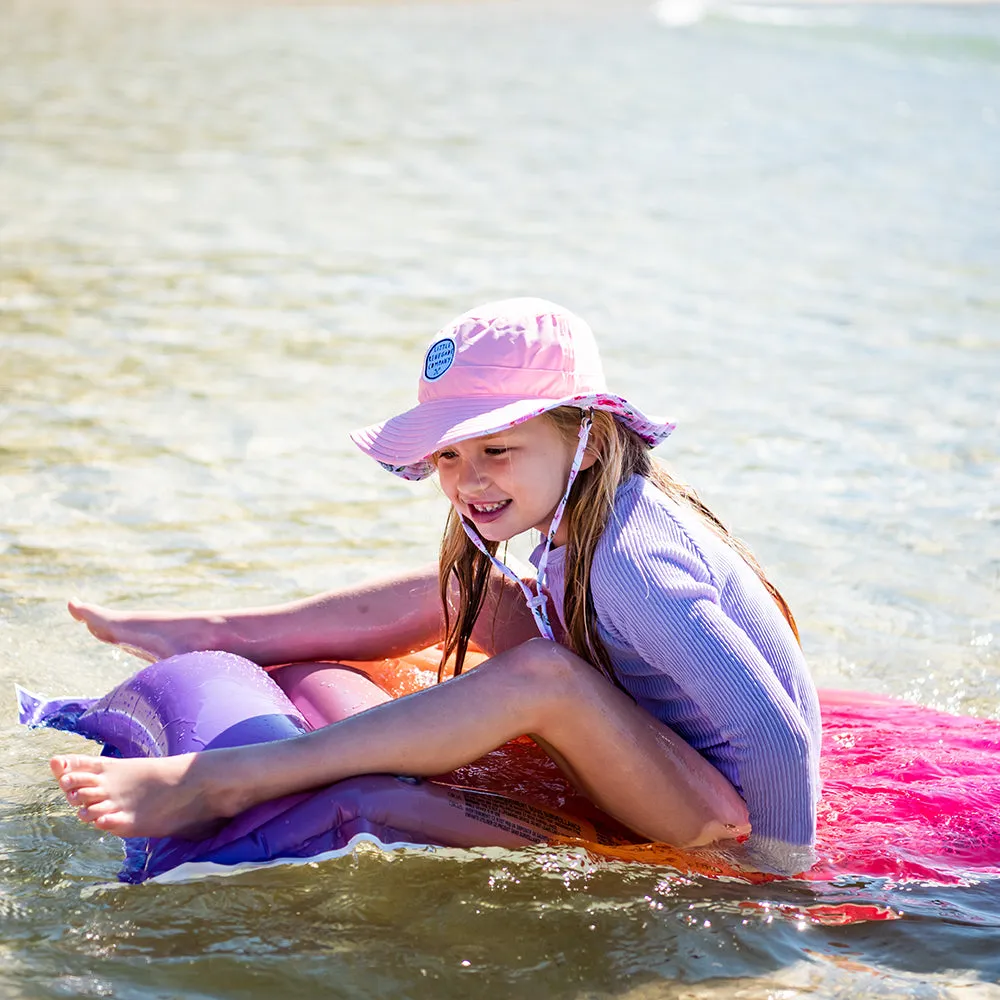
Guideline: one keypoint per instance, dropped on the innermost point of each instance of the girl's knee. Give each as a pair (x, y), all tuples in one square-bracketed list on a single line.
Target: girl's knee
[(553, 670)]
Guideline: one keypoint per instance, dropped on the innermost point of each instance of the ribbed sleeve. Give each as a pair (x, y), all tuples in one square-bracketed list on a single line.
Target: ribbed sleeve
[(696, 639)]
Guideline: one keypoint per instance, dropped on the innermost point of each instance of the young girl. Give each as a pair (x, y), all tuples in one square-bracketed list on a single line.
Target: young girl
[(669, 684)]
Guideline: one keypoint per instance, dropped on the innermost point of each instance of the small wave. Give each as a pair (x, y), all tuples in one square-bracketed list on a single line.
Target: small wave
[(680, 13)]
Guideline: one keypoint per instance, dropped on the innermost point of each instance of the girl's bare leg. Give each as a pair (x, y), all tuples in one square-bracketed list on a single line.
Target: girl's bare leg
[(372, 621), (632, 766), (328, 692), (367, 622)]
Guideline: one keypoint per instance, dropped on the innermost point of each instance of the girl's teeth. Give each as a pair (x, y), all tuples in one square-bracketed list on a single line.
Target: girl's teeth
[(488, 508)]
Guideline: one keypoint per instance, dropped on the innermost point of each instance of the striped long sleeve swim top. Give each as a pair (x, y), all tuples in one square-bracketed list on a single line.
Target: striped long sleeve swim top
[(695, 638)]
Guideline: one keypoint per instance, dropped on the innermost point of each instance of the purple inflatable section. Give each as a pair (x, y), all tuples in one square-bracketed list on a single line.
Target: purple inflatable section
[(209, 700)]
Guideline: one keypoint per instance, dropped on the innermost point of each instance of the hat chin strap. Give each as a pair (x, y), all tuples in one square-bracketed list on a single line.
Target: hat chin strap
[(537, 600)]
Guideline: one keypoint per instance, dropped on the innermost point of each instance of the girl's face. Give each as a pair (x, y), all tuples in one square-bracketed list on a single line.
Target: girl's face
[(509, 482)]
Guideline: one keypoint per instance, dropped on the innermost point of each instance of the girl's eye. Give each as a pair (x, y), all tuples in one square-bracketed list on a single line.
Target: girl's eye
[(444, 455), (497, 450)]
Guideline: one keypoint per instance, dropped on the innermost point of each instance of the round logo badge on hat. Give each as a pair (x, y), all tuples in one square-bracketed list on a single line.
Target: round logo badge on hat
[(440, 356)]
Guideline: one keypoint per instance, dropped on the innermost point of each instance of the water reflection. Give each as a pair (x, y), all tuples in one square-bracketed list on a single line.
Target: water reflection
[(226, 231)]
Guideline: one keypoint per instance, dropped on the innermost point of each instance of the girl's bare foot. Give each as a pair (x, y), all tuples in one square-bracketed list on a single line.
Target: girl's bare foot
[(150, 635), (148, 797)]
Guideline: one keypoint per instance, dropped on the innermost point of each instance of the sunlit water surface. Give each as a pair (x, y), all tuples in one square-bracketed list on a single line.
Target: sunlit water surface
[(227, 231)]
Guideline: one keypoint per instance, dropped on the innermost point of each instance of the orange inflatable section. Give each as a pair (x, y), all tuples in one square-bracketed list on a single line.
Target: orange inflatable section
[(522, 773)]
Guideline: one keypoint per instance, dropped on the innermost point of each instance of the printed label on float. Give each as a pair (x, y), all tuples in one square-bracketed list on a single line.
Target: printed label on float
[(522, 819)]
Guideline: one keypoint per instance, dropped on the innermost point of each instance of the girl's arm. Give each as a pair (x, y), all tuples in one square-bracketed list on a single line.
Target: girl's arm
[(769, 747), (700, 658), (771, 743)]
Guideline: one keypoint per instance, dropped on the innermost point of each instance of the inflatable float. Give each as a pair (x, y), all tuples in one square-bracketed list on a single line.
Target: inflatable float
[(908, 792)]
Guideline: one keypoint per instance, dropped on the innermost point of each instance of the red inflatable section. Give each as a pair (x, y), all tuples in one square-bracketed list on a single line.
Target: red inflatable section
[(908, 792)]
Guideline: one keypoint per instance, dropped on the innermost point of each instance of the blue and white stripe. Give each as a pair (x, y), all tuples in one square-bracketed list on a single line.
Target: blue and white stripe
[(698, 641)]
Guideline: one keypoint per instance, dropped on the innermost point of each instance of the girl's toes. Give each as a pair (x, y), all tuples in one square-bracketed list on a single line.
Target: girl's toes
[(73, 781), (85, 796), (117, 823), (94, 811), (71, 763)]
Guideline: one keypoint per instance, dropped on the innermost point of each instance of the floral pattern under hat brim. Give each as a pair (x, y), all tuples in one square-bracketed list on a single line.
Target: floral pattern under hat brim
[(651, 430)]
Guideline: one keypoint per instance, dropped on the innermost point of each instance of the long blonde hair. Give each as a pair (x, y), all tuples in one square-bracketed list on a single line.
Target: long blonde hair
[(619, 454)]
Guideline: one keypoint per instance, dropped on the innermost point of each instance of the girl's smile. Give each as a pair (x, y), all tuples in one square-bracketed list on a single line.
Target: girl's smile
[(484, 513), (509, 482)]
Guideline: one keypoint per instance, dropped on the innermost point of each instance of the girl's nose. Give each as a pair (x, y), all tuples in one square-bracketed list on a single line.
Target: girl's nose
[(470, 478)]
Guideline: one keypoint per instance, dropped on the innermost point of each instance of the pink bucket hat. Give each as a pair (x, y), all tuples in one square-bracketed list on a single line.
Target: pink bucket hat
[(495, 366)]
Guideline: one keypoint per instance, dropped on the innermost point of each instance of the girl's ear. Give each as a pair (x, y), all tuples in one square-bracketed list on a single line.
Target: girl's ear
[(589, 458)]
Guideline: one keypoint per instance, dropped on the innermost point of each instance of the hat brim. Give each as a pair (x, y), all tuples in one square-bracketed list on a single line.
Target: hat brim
[(404, 444)]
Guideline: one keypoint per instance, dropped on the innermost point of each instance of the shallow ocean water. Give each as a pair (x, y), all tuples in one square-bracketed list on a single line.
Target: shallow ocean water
[(226, 232)]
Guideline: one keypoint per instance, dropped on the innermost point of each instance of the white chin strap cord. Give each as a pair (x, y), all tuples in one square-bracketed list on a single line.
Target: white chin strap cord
[(537, 600)]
